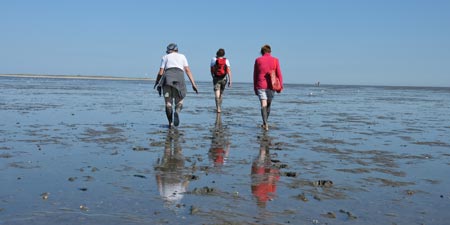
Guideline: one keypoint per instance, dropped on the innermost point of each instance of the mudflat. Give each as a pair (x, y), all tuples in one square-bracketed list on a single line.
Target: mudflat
[(99, 151)]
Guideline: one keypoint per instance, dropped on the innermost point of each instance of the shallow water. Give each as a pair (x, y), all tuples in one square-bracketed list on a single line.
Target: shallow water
[(99, 152)]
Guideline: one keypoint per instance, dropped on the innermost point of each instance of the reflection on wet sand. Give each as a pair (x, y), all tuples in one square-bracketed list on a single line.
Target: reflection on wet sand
[(171, 180), (264, 174), (366, 155), (220, 143)]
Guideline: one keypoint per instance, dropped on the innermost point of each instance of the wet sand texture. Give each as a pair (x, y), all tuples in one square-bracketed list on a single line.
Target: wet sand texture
[(79, 151)]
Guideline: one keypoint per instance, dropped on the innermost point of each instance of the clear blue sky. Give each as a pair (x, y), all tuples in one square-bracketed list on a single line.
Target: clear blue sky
[(378, 42)]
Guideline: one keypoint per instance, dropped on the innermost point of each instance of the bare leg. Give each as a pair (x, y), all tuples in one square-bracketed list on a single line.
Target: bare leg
[(178, 108), (169, 110), (264, 114), (269, 103), (218, 98)]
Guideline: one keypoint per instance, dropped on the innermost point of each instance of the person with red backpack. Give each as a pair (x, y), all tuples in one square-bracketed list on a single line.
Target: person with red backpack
[(221, 74)]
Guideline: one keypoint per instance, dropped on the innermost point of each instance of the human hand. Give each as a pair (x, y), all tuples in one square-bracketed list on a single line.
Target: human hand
[(194, 87), (156, 84), (159, 91), (229, 84)]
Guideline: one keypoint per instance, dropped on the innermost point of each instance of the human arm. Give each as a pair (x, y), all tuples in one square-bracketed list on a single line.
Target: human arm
[(255, 74), (161, 71), (211, 65), (158, 77), (229, 76), (279, 74), (191, 78)]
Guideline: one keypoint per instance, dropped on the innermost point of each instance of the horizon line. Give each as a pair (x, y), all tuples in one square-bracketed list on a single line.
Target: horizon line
[(111, 77)]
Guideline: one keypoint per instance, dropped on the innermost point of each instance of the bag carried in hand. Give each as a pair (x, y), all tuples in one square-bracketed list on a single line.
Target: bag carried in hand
[(220, 68), (274, 82)]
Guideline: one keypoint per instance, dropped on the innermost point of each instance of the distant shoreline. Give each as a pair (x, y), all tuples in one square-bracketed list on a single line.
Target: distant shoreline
[(74, 77), (94, 77)]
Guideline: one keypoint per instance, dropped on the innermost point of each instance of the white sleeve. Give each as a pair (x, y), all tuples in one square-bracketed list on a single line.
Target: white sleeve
[(213, 61), (163, 62), (185, 62), (228, 63)]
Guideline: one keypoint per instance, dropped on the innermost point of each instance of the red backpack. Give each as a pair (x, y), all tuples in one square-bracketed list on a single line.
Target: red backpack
[(220, 68)]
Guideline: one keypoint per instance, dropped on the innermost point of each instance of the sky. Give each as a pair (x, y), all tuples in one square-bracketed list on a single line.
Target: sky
[(355, 42)]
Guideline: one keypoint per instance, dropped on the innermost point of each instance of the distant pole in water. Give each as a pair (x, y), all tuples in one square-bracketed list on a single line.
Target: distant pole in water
[(318, 83)]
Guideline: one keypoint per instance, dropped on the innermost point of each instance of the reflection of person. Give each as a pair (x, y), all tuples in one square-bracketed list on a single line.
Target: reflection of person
[(171, 80), (170, 176), (264, 175), (220, 145), (221, 74), (263, 65)]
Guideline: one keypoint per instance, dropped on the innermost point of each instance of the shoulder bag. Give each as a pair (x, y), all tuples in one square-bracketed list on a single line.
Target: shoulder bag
[(274, 82)]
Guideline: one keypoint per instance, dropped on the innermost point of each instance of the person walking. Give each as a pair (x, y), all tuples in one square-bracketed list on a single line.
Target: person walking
[(261, 79), (221, 74), (170, 81)]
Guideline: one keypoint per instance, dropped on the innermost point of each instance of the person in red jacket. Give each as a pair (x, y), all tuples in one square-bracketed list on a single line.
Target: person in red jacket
[(263, 65)]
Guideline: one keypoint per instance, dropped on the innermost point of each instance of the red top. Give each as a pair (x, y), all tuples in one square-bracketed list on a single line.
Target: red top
[(264, 65), (218, 156), (266, 188)]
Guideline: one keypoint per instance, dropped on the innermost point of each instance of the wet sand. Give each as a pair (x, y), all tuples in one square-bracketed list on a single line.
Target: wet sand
[(82, 151)]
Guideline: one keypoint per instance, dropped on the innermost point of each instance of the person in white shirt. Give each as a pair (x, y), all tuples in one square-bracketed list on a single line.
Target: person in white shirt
[(170, 80), (221, 74)]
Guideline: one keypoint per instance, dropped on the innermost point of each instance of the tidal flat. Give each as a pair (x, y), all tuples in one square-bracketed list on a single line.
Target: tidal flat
[(84, 151)]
